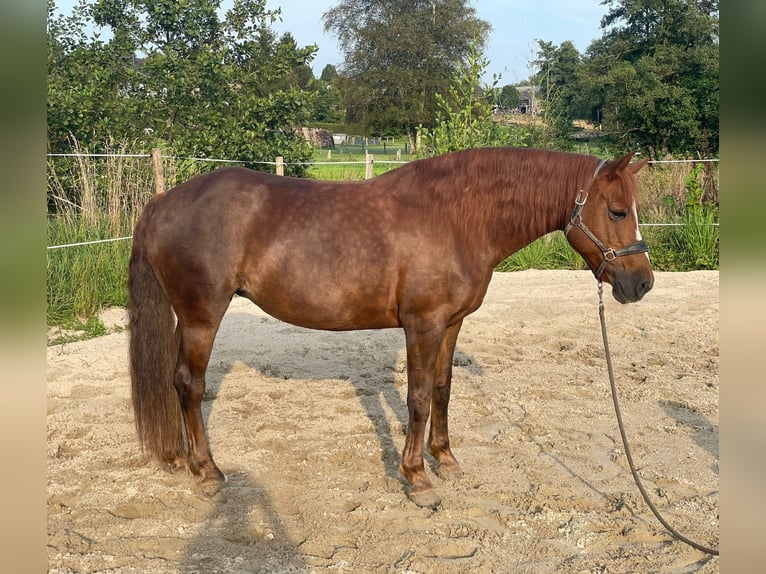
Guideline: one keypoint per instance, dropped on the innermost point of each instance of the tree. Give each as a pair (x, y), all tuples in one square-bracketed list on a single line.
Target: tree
[(558, 72), (174, 75), (328, 106), (86, 78), (465, 117), (508, 99), (329, 74), (398, 54), (654, 74), (558, 76)]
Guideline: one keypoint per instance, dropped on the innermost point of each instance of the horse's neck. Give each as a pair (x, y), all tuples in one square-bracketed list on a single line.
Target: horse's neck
[(498, 200), (524, 209)]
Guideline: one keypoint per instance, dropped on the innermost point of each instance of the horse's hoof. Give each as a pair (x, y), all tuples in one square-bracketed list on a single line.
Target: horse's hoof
[(449, 472), (212, 485), (178, 465), (425, 499)]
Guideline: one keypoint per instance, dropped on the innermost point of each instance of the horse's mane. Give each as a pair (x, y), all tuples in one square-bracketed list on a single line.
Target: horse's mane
[(534, 188)]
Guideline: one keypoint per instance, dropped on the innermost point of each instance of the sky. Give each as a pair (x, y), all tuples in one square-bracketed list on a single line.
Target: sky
[(516, 27)]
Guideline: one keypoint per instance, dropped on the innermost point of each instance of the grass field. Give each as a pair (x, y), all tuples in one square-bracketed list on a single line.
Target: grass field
[(333, 164)]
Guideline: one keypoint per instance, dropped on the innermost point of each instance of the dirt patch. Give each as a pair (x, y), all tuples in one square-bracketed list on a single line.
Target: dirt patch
[(309, 427)]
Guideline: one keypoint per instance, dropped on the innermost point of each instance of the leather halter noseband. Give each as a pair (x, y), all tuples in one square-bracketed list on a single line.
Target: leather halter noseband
[(610, 254)]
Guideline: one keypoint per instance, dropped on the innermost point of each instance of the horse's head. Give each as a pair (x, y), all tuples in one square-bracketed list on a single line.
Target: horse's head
[(603, 228)]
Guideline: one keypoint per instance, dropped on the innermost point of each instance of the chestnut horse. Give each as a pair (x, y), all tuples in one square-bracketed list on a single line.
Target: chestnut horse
[(414, 248)]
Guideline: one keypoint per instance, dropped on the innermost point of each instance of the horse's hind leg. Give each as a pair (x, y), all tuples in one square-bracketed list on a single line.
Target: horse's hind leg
[(196, 344), (438, 437)]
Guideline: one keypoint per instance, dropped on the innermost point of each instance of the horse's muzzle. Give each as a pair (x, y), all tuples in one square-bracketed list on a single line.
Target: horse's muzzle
[(631, 286)]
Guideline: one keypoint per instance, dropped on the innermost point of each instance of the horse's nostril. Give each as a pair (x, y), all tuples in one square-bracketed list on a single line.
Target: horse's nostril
[(644, 288)]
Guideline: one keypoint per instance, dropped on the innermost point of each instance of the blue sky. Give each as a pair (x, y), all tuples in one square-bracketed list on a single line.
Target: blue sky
[(516, 25)]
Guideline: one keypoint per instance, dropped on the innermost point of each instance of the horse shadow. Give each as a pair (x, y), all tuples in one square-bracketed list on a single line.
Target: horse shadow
[(706, 434), (270, 346), (243, 533)]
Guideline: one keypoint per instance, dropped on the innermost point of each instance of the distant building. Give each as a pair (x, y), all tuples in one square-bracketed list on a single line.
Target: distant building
[(529, 97)]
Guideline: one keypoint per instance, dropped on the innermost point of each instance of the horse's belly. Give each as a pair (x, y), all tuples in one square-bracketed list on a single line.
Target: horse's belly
[(333, 308)]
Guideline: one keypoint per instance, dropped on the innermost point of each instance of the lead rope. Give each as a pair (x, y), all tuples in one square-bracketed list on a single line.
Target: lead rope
[(628, 455)]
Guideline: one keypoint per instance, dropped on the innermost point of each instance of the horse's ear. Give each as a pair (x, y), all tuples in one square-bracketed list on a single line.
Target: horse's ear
[(619, 165), (634, 167)]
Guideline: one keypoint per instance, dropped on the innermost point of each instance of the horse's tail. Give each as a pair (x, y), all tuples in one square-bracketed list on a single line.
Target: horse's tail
[(153, 350)]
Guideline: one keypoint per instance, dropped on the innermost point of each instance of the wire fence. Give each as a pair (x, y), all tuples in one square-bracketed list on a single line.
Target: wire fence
[(94, 242), (232, 161), (279, 165), (216, 160)]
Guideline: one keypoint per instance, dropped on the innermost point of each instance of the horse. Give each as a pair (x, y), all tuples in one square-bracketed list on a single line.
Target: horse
[(414, 248)]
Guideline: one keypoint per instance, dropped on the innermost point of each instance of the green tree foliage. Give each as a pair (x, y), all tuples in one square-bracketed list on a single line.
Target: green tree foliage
[(398, 54), (653, 76), (172, 74), (651, 80), (464, 119), (328, 106), (508, 98), (558, 71), (85, 77), (558, 75)]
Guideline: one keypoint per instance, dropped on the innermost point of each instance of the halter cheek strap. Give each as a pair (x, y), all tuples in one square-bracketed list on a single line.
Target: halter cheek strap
[(610, 254)]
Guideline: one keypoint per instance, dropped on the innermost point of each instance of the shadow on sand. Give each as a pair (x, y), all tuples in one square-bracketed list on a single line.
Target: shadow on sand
[(706, 434), (270, 347), (244, 532)]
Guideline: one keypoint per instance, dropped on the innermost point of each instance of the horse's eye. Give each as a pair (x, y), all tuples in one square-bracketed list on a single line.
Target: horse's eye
[(618, 214)]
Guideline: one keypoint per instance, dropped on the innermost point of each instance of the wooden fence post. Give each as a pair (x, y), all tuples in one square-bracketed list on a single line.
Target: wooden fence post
[(368, 167), (280, 165), (159, 174)]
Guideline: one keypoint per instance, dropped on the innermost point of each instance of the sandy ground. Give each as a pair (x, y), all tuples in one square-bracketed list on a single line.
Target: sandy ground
[(309, 426)]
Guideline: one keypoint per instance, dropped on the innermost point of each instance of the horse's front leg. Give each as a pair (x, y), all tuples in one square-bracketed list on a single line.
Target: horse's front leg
[(438, 437), (422, 351)]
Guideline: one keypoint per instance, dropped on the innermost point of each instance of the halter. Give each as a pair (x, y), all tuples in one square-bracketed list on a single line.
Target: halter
[(610, 254)]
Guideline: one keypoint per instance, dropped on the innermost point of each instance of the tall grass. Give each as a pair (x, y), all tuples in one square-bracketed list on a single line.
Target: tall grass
[(551, 251), (694, 243), (101, 198), (91, 199)]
